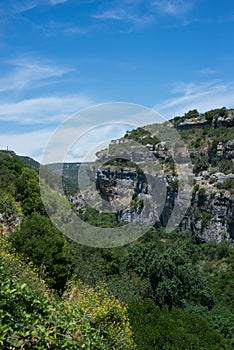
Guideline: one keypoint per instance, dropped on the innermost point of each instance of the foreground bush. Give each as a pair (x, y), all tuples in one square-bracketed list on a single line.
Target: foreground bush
[(32, 317)]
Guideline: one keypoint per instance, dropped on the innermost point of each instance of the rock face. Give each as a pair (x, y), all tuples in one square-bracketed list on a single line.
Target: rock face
[(126, 191), (220, 118), (225, 150), (211, 216)]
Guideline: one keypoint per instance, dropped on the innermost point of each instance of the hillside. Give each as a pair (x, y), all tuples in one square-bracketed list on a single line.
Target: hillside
[(208, 148), (163, 291)]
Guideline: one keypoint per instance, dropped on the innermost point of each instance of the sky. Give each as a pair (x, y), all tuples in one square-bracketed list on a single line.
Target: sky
[(59, 57)]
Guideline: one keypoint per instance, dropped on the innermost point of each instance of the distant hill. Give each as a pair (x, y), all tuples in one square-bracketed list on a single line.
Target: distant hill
[(70, 172), (33, 164), (30, 162), (58, 168)]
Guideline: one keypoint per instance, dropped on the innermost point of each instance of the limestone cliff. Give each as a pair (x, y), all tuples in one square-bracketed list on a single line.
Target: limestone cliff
[(151, 164)]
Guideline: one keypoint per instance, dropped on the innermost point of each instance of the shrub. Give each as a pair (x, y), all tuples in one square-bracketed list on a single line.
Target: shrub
[(32, 317)]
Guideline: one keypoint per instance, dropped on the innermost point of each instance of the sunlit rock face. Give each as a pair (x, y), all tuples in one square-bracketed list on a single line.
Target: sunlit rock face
[(145, 173)]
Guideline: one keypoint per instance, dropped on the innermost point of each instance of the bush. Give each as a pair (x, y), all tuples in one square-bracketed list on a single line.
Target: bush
[(32, 317)]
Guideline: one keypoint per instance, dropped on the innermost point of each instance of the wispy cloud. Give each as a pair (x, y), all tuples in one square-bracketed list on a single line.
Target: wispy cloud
[(203, 96), (84, 149), (73, 29), (172, 7), (116, 14), (87, 142), (27, 143), (126, 12), (219, 20), (16, 7), (43, 110), (132, 11), (55, 27), (80, 143), (208, 71), (56, 2), (27, 73)]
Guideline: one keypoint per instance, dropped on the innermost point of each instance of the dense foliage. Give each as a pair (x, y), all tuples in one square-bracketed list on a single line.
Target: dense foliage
[(32, 317)]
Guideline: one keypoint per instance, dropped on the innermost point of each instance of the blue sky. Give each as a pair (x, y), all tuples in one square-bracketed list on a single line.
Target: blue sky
[(60, 56)]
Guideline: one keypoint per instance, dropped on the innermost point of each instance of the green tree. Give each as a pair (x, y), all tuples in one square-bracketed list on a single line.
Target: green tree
[(173, 280), (161, 329), (38, 240), (28, 191)]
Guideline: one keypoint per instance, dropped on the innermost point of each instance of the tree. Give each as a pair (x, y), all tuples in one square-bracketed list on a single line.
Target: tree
[(38, 240), (28, 191), (161, 329), (173, 280)]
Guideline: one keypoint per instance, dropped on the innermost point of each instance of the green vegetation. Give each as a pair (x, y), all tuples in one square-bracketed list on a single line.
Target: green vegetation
[(227, 185), (99, 219), (33, 164), (121, 164), (137, 134), (192, 114), (205, 142), (173, 329), (7, 205), (34, 317), (206, 136), (43, 244), (215, 113), (209, 115), (161, 292)]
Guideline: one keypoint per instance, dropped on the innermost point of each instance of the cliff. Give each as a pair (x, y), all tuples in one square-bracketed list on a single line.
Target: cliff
[(146, 166)]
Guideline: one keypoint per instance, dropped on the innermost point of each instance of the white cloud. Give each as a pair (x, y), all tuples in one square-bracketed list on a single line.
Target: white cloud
[(203, 96), (54, 27), (140, 13), (28, 73), (80, 143), (116, 14), (56, 2), (137, 13), (208, 71), (31, 143), (88, 142), (18, 7), (44, 109), (73, 29), (172, 7), (78, 138), (125, 14)]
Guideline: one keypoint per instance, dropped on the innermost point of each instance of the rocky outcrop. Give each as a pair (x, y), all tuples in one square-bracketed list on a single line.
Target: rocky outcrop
[(9, 223), (152, 184), (210, 217), (194, 124), (219, 118), (225, 150)]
